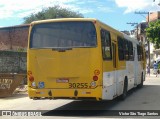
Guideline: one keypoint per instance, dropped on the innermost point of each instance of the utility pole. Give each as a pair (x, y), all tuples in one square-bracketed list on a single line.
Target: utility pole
[(132, 24), (149, 59)]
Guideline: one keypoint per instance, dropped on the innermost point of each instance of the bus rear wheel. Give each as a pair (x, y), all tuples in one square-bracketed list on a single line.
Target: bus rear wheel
[(124, 94)]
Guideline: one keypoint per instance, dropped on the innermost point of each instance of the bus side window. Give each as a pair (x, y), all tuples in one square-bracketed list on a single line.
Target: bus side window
[(126, 50), (142, 52), (131, 57), (139, 53), (106, 45), (120, 49)]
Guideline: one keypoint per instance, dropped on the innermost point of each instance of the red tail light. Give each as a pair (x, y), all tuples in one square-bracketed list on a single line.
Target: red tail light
[(31, 78), (95, 78)]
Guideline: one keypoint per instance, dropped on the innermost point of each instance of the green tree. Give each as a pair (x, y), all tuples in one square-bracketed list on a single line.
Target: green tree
[(153, 33), (51, 13)]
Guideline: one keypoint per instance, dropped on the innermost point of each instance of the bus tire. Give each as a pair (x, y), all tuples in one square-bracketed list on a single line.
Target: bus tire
[(125, 87), (141, 84)]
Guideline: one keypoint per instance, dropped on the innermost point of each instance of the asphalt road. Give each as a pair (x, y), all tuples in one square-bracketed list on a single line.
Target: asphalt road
[(146, 98)]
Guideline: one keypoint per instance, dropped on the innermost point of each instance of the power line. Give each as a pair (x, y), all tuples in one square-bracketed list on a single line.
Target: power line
[(141, 13), (132, 23)]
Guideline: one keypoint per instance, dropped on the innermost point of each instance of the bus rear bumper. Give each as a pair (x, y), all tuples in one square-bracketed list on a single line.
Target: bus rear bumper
[(65, 93)]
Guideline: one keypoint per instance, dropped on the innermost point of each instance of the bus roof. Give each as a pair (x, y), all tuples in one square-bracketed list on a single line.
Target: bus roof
[(64, 19)]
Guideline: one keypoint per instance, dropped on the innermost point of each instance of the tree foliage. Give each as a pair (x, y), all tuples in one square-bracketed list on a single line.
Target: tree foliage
[(52, 13), (153, 33)]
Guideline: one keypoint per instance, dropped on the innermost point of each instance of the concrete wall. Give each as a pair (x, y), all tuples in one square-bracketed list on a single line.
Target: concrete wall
[(13, 62), (14, 38)]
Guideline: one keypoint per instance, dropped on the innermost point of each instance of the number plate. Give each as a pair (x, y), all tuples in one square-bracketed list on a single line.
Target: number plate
[(62, 80)]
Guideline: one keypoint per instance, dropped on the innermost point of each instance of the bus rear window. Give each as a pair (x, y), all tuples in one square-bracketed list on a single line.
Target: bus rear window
[(63, 35)]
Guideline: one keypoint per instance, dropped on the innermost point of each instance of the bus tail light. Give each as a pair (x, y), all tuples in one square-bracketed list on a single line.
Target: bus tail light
[(96, 73), (95, 78), (31, 78)]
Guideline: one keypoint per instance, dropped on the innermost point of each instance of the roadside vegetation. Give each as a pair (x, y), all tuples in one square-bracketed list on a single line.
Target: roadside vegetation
[(52, 13), (153, 33)]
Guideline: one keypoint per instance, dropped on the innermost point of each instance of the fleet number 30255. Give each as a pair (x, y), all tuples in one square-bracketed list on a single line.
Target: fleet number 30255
[(78, 85)]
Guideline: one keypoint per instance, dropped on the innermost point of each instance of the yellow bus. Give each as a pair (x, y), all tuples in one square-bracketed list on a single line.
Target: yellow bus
[(82, 58)]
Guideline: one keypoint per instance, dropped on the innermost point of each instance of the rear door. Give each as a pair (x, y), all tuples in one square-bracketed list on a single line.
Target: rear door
[(108, 69), (114, 54)]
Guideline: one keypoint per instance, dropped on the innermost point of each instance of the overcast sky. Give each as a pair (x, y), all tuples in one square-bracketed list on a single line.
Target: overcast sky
[(113, 12)]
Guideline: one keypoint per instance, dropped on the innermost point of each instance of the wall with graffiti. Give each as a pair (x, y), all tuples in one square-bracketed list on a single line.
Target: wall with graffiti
[(5, 83)]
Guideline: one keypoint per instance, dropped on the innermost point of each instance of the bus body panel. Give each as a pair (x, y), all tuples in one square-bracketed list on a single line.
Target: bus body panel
[(65, 68), (93, 94), (109, 90), (53, 65), (64, 72)]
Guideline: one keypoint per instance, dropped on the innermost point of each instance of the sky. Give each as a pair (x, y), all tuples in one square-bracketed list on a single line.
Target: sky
[(115, 13)]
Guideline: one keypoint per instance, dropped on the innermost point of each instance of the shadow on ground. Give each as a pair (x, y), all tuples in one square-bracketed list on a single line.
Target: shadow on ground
[(95, 108)]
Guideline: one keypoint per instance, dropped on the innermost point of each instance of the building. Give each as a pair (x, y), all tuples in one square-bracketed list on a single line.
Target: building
[(153, 16), (140, 34)]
